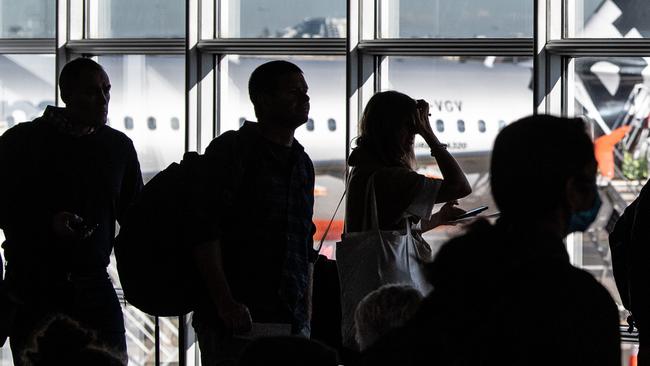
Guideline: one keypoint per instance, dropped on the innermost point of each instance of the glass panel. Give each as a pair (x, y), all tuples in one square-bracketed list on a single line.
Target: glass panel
[(463, 92), (136, 19), (607, 18), (147, 94), (26, 87), (612, 95), (325, 77), (27, 18), (283, 19), (456, 19)]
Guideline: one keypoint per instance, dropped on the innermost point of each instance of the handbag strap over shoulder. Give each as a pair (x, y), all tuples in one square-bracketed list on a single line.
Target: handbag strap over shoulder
[(329, 225)]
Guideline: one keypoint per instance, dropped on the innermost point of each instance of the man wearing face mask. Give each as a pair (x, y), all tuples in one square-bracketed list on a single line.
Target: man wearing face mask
[(66, 179), (506, 294)]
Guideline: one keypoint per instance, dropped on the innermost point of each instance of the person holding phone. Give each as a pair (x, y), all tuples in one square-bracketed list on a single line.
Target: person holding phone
[(385, 153), (67, 178)]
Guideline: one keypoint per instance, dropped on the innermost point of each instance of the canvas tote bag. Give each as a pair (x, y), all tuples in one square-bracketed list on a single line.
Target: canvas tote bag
[(368, 259)]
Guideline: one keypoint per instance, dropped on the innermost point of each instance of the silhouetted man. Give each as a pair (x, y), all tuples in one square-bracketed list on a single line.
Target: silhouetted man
[(66, 179), (258, 263)]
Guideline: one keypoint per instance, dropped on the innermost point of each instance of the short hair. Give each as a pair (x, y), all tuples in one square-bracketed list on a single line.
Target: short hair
[(264, 78), (73, 71), (533, 159), (384, 309), (388, 117)]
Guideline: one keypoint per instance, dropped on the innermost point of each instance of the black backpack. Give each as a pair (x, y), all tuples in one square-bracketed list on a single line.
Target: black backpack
[(175, 211), (620, 245)]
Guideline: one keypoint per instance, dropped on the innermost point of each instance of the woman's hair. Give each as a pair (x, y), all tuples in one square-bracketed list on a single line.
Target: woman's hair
[(532, 160), (387, 128)]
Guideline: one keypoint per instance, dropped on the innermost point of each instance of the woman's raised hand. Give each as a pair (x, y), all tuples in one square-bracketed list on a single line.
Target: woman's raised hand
[(422, 125)]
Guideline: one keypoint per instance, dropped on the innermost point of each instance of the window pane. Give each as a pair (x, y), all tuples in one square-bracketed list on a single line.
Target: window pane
[(26, 87), (283, 19), (147, 94), (325, 77), (607, 19), (136, 19), (462, 93), (612, 96), (27, 18), (456, 19)]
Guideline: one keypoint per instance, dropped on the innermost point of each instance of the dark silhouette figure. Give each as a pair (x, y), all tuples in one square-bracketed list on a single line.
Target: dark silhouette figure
[(630, 255), (66, 179), (506, 294), (63, 341), (257, 259), (385, 152), (289, 351)]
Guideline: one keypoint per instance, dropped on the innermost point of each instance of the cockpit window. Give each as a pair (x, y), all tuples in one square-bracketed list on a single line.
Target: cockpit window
[(128, 123), (461, 125), (331, 124), (151, 123)]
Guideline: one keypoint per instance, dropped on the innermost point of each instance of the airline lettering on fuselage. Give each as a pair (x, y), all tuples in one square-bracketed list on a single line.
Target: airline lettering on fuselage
[(453, 145), (448, 105)]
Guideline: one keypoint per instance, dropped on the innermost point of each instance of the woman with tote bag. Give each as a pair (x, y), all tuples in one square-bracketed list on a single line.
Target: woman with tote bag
[(389, 205)]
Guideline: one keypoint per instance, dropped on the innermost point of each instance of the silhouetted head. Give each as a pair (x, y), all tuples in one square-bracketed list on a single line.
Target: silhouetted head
[(85, 89), (542, 166), (279, 94), (387, 128), (287, 351), (384, 309), (63, 341)]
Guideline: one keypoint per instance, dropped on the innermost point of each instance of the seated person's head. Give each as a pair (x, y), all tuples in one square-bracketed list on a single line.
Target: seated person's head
[(543, 168), (388, 128), (278, 91), (63, 341), (287, 351), (384, 309)]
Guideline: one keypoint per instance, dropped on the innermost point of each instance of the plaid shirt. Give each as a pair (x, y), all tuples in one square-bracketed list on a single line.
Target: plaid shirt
[(267, 237)]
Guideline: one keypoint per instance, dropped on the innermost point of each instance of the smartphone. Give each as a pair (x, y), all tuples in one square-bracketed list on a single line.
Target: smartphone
[(472, 212)]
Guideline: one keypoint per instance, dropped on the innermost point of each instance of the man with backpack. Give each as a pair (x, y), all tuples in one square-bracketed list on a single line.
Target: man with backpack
[(257, 266), (66, 179)]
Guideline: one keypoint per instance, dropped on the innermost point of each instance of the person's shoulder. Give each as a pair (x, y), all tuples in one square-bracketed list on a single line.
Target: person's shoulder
[(21, 130), (225, 141), (584, 282), (115, 137)]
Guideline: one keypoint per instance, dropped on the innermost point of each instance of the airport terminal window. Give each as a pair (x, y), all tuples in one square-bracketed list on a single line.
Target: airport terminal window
[(284, 19), (607, 19), (147, 88), (612, 96), (481, 126), (27, 18), (460, 124), (450, 19), (26, 87), (136, 19)]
